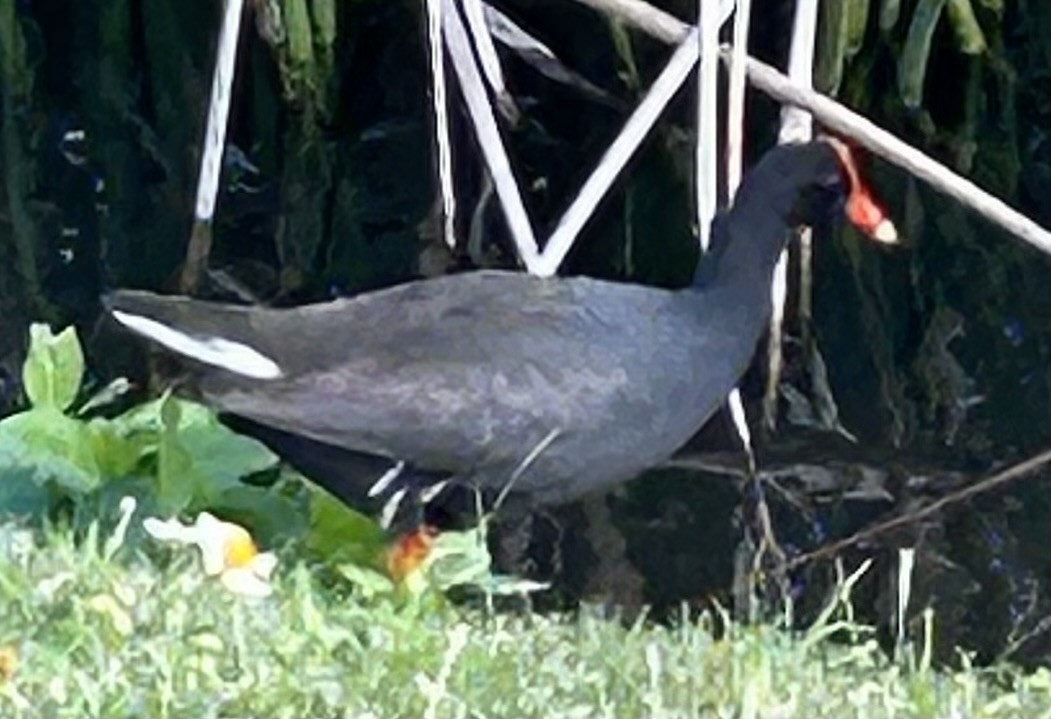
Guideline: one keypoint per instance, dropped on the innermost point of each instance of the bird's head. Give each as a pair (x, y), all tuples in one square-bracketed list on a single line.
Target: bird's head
[(824, 176)]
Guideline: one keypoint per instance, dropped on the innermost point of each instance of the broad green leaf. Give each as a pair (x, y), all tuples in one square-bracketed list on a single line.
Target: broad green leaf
[(175, 480), (463, 559), (150, 417), (141, 418), (338, 533), (56, 447), (106, 501), (20, 493), (117, 454), (54, 367), (271, 515), (198, 458), (222, 457)]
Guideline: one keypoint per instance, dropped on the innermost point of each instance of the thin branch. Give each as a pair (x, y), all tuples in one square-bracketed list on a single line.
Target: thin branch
[(707, 154), (531, 457), (538, 55), (1017, 471), (440, 108), (489, 139), (643, 16), (200, 243), (734, 163), (483, 42), (476, 231), (618, 154), (735, 98), (838, 118), (796, 126)]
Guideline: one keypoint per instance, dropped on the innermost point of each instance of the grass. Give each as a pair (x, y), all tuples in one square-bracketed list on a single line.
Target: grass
[(137, 630)]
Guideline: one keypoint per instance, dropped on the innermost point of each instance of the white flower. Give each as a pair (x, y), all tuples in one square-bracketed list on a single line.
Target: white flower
[(227, 550)]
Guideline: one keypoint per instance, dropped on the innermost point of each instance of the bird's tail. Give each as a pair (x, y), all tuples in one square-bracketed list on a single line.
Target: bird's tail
[(210, 333)]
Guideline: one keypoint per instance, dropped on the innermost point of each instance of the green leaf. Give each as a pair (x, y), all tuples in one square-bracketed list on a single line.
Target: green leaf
[(912, 66), (20, 493), (623, 47), (271, 515), (54, 367), (338, 533), (144, 418), (969, 37), (832, 47), (461, 558), (370, 581), (198, 458), (889, 12), (107, 395), (175, 481), (117, 454), (55, 447), (857, 21), (300, 36), (222, 457), (323, 17)]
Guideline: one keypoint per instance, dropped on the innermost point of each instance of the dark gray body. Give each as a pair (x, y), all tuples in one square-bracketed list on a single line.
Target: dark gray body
[(407, 373), (465, 374)]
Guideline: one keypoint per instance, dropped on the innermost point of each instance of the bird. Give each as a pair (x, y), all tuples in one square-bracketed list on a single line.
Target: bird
[(538, 389)]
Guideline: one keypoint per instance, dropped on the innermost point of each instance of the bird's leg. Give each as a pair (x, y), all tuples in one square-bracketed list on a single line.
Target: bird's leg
[(759, 557)]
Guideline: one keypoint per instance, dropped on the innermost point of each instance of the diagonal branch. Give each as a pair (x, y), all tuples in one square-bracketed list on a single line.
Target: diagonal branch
[(707, 156), (618, 154), (1016, 471), (796, 126), (735, 99), (440, 108), (839, 118), (200, 244), (474, 13), (489, 139)]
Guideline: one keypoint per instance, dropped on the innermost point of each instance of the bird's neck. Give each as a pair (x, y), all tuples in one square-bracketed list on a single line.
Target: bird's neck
[(745, 248)]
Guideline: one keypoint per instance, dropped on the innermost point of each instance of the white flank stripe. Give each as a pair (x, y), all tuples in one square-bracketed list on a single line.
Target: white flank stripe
[(216, 351), (391, 507), (384, 482)]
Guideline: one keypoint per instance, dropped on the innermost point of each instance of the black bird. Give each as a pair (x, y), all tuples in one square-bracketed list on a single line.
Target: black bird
[(464, 376)]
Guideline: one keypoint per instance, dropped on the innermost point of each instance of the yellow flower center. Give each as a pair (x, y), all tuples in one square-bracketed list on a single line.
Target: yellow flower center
[(8, 663), (239, 549)]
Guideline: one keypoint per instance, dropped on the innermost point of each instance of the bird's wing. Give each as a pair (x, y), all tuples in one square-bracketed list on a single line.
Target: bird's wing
[(443, 373)]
